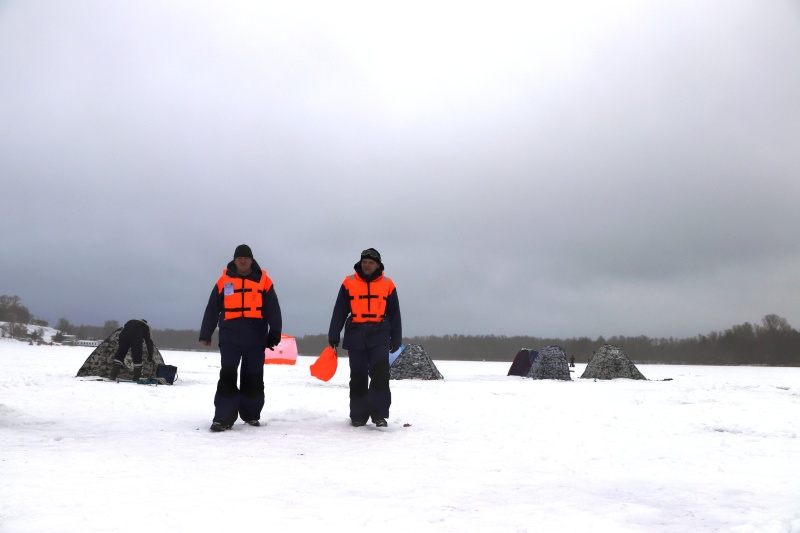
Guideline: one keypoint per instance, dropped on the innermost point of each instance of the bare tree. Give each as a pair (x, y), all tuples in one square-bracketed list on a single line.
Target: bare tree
[(110, 327), (64, 326), (775, 323)]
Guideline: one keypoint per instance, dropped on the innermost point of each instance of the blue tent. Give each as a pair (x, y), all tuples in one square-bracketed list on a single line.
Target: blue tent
[(522, 362)]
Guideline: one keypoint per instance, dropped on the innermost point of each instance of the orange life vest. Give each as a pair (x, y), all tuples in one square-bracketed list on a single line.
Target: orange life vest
[(242, 297), (368, 299)]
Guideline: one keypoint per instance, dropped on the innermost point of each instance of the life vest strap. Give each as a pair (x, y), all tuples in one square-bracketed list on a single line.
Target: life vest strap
[(369, 315), (241, 309)]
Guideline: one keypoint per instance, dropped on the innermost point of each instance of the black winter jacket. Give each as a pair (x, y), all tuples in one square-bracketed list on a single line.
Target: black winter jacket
[(359, 336), (246, 331), (136, 331)]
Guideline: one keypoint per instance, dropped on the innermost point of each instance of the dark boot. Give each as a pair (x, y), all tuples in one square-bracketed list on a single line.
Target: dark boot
[(115, 370), (137, 373)]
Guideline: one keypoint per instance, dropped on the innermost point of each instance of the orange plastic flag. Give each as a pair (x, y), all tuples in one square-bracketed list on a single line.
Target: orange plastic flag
[(325, 366)]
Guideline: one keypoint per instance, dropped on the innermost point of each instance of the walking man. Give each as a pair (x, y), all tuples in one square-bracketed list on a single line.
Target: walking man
[(369, 310), (245, 306)]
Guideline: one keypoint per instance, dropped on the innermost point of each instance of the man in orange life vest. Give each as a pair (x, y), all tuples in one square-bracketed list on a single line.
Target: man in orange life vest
[(245, 305), (368, 308)]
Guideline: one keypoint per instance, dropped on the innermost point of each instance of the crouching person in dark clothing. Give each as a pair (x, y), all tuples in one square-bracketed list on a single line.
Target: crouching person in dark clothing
[(245, 306), (369, 310), (133, 333)]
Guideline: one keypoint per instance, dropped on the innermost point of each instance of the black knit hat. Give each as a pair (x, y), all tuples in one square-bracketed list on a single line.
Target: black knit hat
[(242, 251), (371, 253)]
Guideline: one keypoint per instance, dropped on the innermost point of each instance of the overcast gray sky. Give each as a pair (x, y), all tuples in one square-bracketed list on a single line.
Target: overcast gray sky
[(552, 169)]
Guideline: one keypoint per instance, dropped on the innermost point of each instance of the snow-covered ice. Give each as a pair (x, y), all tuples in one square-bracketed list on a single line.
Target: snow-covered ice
[(714, 449)]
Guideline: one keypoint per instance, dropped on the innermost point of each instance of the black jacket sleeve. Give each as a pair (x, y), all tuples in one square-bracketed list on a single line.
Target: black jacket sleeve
[(341, 310), (394, 318), (272, 311), (211, 316), (148, 340)]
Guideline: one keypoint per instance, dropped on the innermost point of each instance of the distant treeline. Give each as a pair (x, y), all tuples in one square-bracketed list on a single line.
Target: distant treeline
[(773, 342)]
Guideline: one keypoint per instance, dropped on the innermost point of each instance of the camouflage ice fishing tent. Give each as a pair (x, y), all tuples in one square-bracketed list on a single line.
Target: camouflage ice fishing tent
[(522, 362), (100, 360), (413, 363), (610, 362), (551, 364)]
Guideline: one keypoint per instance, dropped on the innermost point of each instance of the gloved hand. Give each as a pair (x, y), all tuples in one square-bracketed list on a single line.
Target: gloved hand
[(393, 348), (333, 344), (272, 340)]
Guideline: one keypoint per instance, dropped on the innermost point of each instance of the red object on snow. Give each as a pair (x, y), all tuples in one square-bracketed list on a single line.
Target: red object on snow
[(325, 366)]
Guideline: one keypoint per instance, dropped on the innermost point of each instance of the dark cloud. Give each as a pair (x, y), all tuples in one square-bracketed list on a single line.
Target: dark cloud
[(555, 171)]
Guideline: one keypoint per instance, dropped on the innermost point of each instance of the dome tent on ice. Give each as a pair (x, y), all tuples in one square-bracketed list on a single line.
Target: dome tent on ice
[(522, 362), (551, 364), (284, 353), (610, 362), (413, 363), (100, 360)]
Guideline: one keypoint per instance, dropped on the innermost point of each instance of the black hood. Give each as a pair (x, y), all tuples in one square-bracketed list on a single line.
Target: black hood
[(374, 275), (255, 267)]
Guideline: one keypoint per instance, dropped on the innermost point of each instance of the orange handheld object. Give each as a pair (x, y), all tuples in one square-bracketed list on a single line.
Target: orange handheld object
[(325, 366)]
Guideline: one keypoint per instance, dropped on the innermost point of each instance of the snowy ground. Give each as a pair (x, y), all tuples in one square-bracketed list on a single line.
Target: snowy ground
[(715, 449)]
